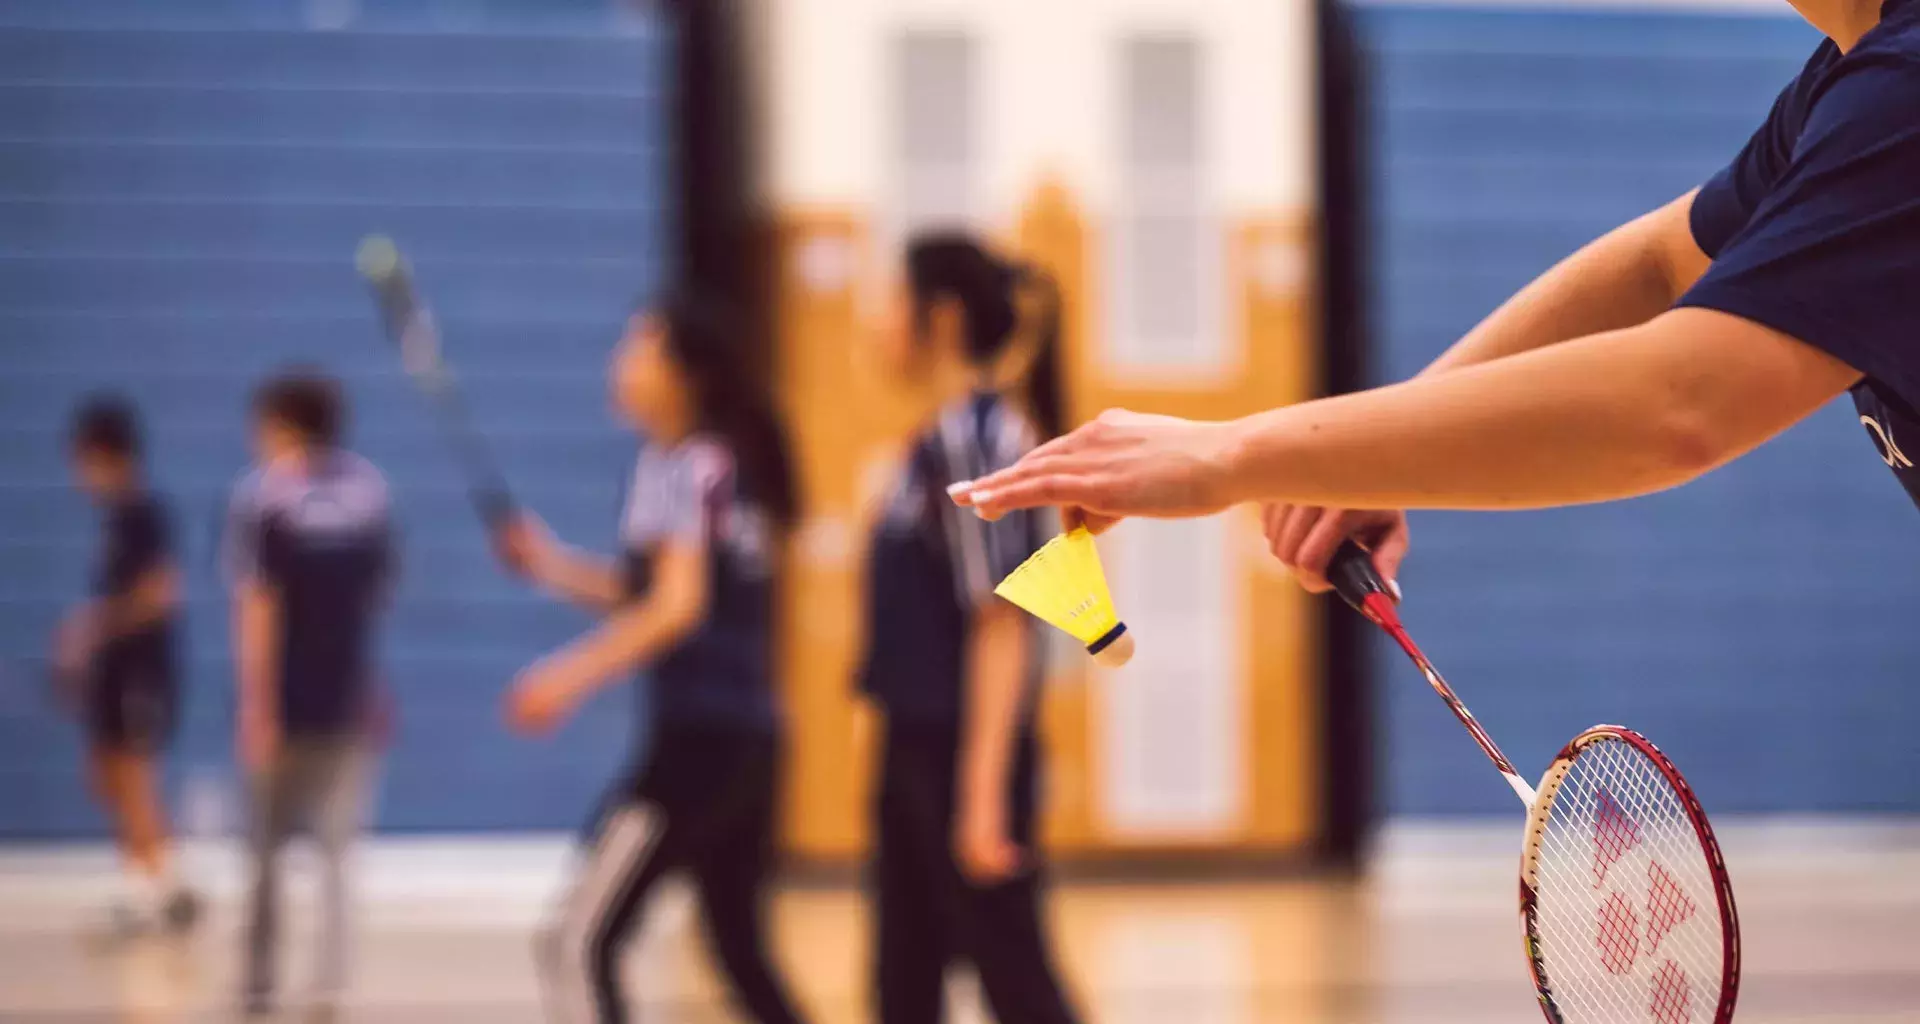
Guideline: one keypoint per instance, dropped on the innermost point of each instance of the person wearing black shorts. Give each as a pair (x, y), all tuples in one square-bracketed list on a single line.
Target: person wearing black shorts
[(957, 875), (116, 656), (692, 599)]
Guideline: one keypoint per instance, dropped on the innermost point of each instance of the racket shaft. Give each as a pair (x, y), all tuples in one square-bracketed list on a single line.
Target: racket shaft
[(1354, 578), (1521, 787), (402, 312), (486, 487)]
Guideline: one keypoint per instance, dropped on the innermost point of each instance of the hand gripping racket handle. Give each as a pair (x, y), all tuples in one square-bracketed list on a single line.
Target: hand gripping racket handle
[(1360, 585), (1353, 577)]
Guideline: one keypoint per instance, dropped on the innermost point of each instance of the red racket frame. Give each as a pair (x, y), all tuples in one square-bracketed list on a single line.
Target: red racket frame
[(1360, 586), (1703, 831)]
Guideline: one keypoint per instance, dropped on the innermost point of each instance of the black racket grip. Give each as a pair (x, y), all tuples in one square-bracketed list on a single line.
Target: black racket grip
[(494, 506), (1353, 576)]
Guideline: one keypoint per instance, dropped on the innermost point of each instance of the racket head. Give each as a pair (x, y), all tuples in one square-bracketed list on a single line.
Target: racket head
[(408, 320), (1625, 900)]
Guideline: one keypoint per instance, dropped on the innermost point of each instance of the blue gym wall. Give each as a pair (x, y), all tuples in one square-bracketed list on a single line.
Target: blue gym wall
[(1758, 623), (182, 185)]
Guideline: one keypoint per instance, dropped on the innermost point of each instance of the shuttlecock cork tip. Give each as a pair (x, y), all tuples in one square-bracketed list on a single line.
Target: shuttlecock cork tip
[(1113, 650)]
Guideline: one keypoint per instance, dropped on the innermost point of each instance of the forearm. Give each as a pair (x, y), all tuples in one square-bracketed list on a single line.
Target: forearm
[(627, 639), (996, 671), (1622, 279), (149, 600), (585, 579), (1609, 416)]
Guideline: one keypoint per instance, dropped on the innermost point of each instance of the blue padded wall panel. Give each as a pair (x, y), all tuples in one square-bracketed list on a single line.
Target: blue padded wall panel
[(1756, 623), (181, 189)]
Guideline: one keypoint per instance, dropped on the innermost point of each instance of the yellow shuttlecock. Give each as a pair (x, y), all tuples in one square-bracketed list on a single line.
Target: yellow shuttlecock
[(1063, 584)]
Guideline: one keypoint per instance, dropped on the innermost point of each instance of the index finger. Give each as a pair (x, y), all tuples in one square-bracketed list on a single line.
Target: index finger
[(975, 492), (962, 492), (1049, 487)]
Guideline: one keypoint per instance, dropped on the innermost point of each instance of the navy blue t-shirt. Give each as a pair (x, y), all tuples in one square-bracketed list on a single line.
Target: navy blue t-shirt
[(323, 542), (931, 566), (721, 674), (1814, 229), (139, 540)]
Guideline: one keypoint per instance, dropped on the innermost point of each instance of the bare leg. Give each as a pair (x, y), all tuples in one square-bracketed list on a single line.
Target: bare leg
[(140, 819)]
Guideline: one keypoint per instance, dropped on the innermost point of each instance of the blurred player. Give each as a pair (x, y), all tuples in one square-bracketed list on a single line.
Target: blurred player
[(310, 548), (115, 655), (955, 669), (1667, 348), (691, 600)]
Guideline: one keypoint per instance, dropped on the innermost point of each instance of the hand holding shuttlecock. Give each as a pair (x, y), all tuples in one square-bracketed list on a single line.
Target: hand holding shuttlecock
[(1063, 584)]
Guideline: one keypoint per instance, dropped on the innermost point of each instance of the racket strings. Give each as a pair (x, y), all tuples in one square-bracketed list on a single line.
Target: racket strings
[(1628, 919)]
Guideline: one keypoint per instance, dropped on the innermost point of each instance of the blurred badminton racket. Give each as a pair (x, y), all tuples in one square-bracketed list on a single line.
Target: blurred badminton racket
[(410, 325), (1624, 898)]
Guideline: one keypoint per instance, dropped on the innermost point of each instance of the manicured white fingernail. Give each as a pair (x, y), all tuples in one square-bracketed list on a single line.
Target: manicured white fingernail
[(957, 489), (1394, 586), (980, 498)]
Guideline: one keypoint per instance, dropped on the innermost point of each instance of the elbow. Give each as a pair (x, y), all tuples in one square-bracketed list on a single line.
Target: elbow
[(1687, 444)]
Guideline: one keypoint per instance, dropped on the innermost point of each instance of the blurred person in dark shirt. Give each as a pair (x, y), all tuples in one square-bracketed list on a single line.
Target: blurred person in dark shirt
[(958, 873), (115, 654), (310, 551), (689, 604)]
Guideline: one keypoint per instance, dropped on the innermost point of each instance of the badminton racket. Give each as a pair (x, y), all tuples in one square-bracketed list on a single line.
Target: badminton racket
[(411, 327), (1625, 903)]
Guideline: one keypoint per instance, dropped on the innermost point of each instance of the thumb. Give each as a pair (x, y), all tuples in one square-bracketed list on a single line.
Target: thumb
[(1387, 556)]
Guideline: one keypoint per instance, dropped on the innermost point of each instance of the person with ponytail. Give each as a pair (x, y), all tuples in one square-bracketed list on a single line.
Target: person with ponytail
[(691, 599), (954, 669)]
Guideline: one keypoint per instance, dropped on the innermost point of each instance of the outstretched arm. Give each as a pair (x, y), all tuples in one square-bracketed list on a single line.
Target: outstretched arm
[(527, 547), (674, 604), (1607, 416), (1621, 279)]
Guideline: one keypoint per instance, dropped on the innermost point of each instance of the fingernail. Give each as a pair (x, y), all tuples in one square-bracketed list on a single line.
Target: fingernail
[(981, 498), (1394, 586), (957, 489)]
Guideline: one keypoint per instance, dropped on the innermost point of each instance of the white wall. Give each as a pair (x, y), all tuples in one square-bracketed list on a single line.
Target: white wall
[(1049, 87)]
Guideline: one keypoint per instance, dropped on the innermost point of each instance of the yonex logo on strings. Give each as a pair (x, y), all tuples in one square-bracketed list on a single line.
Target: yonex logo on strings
[(1618, 935)]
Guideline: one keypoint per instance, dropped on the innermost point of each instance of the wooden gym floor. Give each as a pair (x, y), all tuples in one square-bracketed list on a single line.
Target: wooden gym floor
[(1831, 913)]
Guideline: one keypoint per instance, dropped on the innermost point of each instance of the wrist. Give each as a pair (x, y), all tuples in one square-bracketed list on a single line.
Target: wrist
[(1232, 457), (553, 565)]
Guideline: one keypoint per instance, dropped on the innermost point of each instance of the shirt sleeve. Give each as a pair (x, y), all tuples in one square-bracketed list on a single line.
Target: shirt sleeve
[(983, 552), (674, 495), (1831, 255), (1726, 201)]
